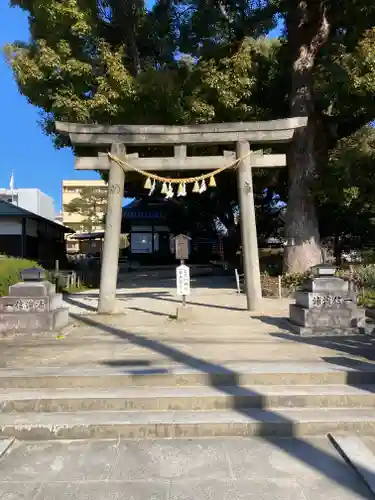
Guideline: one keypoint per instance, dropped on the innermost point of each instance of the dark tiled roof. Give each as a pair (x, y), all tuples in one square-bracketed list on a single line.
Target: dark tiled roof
[(144, 209)]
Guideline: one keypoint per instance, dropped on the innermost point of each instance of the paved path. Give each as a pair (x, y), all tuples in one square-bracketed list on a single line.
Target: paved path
[(221, 331), (145, 338), (157, 297), (219, 469)]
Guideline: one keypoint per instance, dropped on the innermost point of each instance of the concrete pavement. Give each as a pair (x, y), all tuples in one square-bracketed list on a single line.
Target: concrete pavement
[(204, 469), (144, 351)]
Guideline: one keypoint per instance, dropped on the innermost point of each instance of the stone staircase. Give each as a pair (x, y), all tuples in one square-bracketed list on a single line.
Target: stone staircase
[(262, 398)]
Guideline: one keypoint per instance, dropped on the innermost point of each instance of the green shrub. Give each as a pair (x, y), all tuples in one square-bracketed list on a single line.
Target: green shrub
[(365, 276), (367, 299), (10, 271), (294, 281), (341, 273), (368, 256)]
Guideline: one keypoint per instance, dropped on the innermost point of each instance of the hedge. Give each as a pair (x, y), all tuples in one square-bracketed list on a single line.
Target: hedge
[(10, 271)]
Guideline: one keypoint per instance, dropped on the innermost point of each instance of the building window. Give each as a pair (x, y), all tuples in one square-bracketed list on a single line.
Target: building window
[(141, 243)]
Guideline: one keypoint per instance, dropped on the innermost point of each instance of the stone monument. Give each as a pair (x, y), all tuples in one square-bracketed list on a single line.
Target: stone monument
[(325, 306), (32, 306)]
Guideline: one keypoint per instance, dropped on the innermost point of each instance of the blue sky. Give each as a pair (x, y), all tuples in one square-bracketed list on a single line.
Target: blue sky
[(23, 145)]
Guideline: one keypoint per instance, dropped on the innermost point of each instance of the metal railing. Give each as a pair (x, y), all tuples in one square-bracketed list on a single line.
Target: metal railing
[(240, 281), (277, 290), (68, 279)]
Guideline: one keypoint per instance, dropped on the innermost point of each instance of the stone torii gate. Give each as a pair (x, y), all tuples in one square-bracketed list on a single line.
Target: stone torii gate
[(118, 137)]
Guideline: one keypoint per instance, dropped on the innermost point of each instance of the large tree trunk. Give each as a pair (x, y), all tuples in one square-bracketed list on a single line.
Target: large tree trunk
[(308, 30)]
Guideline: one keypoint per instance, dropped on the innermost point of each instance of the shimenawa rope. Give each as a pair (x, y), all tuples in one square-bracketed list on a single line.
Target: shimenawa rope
[(179, 180), (167, 182)]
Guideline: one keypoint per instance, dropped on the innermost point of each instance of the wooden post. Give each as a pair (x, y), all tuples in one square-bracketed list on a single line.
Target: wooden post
[(351, 273), (248, 228), (23, 239), (57, 271), (109, 267)]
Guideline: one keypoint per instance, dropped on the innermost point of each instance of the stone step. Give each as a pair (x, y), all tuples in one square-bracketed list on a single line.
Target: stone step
[(187, 398), (175, 424), (207, 374)]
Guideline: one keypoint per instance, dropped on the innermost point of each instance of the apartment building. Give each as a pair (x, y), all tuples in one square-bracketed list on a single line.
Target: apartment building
[(71, 190)]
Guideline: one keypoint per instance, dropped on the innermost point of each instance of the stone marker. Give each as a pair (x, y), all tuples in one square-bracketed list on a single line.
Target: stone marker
[(33, 274), (355, 452), (325, 306), (32, 306)]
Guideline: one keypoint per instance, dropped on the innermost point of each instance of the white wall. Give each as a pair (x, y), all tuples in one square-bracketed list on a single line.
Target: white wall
[(46, 206), (28, 199), (10, 227), (36, 202)]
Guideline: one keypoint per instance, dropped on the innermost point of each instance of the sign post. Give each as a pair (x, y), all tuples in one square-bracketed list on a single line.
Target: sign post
[(183, 282), (181, 245)]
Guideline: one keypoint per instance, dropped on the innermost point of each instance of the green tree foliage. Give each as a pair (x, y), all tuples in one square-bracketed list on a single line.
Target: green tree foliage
[(324, 71), (346, 193), (77, 69), (91, 206), (74, 69), (113, 61)]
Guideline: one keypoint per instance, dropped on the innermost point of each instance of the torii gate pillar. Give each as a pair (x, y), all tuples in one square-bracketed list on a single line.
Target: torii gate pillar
[(248, 228), (108, 274)]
